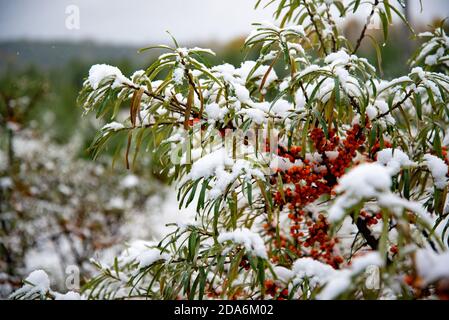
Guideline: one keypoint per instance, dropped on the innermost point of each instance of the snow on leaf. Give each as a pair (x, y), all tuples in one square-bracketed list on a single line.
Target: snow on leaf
[(99, 72), (439, 170), (251, 241), (394, 159)]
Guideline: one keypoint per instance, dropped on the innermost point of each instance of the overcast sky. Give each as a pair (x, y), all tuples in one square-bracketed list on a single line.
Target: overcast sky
[(145, 21)]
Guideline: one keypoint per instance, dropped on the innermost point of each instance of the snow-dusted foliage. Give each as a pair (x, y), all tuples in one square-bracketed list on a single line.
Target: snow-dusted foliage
[(312, 177), (37, 286), (60, 211)]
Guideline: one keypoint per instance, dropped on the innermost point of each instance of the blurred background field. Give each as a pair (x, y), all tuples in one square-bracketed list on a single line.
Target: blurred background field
[(57, 206)]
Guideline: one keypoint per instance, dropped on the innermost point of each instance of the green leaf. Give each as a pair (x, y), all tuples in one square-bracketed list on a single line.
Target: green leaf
[(356, 5), (439, 199), (337, 91), (437, 143), (155, 47), (249, 192), (341, 8), (384, 19), (234, 268), (388, 10), (193, 239), (418, 105), (200, 204), (216, 216), (261, 274), (378, 52), (322, 122), (193, 289), (202, 283), (402, 17), (406, 179), (193, 192)]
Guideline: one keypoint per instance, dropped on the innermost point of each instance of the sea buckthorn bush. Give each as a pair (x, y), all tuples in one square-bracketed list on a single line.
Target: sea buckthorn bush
[(312, 176)]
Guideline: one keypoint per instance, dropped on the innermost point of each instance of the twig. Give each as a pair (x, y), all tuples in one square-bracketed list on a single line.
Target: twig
[(365, 27), (397, 105), (316, 27)]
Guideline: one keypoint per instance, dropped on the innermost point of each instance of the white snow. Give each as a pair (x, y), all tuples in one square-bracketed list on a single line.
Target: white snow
[(316, 272), (283, 164), (331, 155), (295, 28), (362, 182), (300, 100), (214, 112), (203, 50), (371, 181), (309, 69), (238, 77), (337, 285), (360, 263), (256, 115), (178, 75), (397, 204), (150, 256), (71, 295), (223, 178), (394, 159), (371, 112), (339, 57), (334, 281), (141, 252), (432, 266), (283, 274), (394, 83), (36, 283), (116, 203), (245, 69), (112, 126), (281, 108), (242, 93), (99, 72), (252, 242), (439, 170), (341, 280), (130, 181), (5, 182), (138, 74), (206, 166), (224, 169)]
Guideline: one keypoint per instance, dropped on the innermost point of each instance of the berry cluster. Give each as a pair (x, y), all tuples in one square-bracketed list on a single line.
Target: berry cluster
[(311, 238), (377, 147), (276, 291), (308, 182), (370, 219), (244, 263), (445, 157)]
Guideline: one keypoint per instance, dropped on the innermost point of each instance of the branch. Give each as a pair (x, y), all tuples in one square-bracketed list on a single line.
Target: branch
[(366, 233), (371, 241), (320, 37), (397, 105), (365, 27)]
